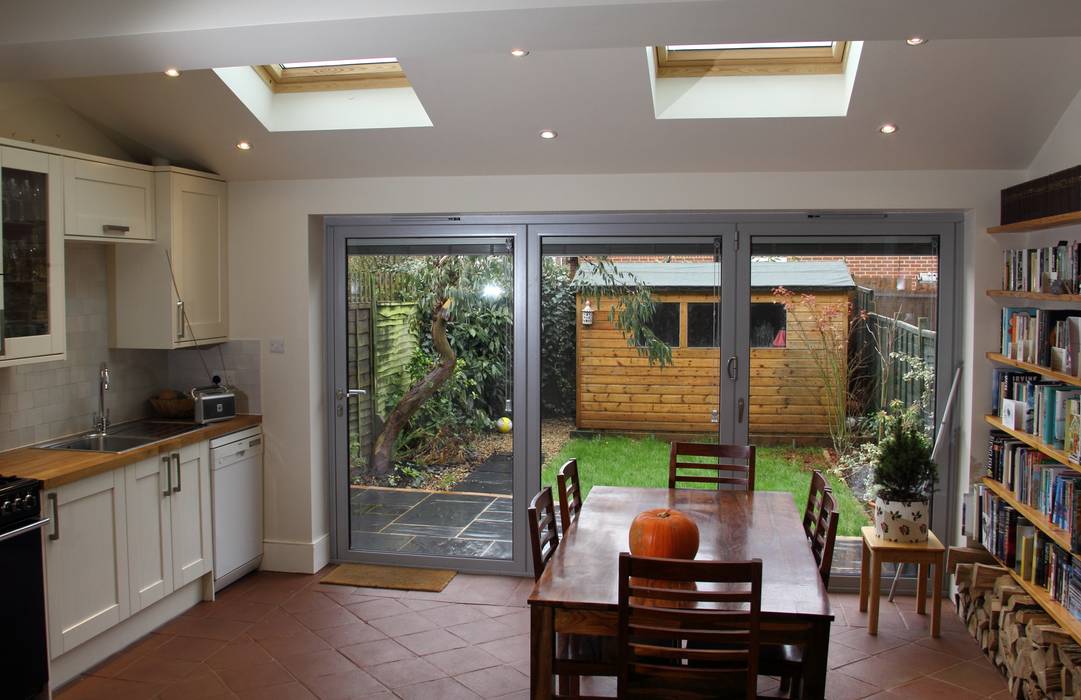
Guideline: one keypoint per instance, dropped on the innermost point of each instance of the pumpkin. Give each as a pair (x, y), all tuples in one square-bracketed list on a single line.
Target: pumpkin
[(664, 532)]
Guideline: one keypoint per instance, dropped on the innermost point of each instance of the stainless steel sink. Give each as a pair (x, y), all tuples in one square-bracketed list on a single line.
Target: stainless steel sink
[(157, 429), (123, 437)]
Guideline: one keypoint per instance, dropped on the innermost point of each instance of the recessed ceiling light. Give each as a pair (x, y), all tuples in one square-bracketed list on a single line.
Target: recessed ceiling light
[(172, 72), (518, 53), (915, 41), (888, 129), (548, 134), (243, 145)]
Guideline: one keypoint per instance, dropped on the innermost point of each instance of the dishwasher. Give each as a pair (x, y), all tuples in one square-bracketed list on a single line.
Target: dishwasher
[(236, 487)]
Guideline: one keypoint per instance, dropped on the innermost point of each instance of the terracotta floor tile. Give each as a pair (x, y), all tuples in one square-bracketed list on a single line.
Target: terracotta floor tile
[(279, 624), (240, 610), (286, 691), (380, 651), (375, 609), (210, 628), (242, 652), (482, 631), (401, 625), (316, 663), (299, 643), (351, 685), (353, 633), (443, 688), (307, 601), (933, 689), (493, 682), (978, 676), (464, 660), (405, 672), (857, 638), (430, 642), (960, 645), (842, 687), (204, 684), (155, 669), (93, 688), (189, 648), (258, 676), (510, 649), (418, 605), (325, 618), (454, 614)]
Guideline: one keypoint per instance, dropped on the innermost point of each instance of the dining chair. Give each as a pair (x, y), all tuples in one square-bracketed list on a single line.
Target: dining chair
[(818, 487), (786, 660), (543, 535), (724, 467), (688, 629), (570, 493)]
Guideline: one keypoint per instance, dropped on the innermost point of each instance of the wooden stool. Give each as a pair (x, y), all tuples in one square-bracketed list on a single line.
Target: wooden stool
[(928, 555)]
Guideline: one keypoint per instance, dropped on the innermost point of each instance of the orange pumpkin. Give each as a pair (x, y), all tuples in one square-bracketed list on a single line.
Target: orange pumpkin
[(664, 532)]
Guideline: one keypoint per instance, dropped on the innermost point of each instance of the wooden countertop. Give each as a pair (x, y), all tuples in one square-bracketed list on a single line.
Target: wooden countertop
[(58, 467)]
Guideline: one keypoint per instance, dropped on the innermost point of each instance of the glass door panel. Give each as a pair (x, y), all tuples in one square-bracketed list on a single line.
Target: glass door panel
[(25, 253)]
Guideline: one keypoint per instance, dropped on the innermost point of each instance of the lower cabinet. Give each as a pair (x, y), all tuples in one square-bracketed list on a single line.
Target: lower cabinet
[(123, 540)]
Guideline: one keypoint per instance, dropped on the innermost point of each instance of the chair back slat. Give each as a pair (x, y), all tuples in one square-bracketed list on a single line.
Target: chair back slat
[(819, 486), (687, 626), (824, 535), (570, 493), (543, 534), (724, 471)]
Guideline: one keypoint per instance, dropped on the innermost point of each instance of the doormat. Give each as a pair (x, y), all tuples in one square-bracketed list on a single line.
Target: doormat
[(400, 578)]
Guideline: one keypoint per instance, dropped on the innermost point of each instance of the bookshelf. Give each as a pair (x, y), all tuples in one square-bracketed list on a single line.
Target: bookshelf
[(1029, 367), (1052, 607), (1033, 296), (1041, 224), (1034, 442), (1061, 537)]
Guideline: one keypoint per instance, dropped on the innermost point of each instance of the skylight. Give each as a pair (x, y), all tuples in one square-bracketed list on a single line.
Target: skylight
[(343, 74), (763, 58), (346, 62)]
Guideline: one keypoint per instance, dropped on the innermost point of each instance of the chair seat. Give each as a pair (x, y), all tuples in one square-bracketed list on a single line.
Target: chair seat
[(774, 657)]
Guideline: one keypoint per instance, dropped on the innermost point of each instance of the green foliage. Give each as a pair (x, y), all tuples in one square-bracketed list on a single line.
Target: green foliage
[(904, 471), (558, 337)]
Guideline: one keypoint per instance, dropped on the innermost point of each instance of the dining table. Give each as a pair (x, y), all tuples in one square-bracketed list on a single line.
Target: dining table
[(578, 593)]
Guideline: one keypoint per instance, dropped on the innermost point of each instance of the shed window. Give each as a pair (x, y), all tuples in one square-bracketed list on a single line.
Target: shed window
[(768, 325), (702, 326), (665, 323)]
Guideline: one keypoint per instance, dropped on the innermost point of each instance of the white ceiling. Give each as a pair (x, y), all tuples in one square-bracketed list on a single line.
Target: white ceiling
[(984, 93)]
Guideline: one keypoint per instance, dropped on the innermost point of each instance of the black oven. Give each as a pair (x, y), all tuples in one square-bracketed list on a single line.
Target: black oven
[(24, 649)]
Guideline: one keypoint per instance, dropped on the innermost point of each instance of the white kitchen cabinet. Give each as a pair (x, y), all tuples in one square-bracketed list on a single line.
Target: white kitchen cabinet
[(86, 559), (107, 202), (150, 539), (175, 293), (189, 502), (32, 215)]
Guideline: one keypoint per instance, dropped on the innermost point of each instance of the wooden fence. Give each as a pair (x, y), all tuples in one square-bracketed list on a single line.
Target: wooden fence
[(906, 345)]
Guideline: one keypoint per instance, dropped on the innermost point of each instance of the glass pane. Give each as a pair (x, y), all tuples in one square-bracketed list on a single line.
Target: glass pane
[(430, 359), (26, 253), (629, 358), (842, 334)]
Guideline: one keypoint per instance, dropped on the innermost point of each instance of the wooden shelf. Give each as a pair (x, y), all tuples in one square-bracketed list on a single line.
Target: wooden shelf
[(1042, 224), (1033, 442), (1029, 367), (1056, 610), (1033, 296), (1060, 536)]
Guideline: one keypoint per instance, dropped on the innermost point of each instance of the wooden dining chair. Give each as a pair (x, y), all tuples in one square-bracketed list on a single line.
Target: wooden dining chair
[(723, 464), (543, 535), (824, 536), (570, 493), (819, 486), (682, 635)]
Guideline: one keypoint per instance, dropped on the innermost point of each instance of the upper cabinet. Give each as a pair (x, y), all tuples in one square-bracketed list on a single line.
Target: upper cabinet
[(108, 202), (32, 323), (175, 293)]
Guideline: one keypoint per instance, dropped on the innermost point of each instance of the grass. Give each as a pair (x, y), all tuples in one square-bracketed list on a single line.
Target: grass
[(622, 461)]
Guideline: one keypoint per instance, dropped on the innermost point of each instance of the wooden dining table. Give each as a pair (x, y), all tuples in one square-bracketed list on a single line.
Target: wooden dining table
[(578, 593)]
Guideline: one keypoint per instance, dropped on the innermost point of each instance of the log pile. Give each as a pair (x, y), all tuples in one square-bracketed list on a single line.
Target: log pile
[(1039, 659)]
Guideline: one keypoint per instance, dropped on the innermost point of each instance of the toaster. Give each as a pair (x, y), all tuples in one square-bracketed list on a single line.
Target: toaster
[(213, 403)]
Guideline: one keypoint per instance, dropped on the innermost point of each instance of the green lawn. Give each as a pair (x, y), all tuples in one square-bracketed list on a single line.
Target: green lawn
[(622, 461)]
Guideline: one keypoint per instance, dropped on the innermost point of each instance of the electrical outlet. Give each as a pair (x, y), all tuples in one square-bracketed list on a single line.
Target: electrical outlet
[(277, 345)]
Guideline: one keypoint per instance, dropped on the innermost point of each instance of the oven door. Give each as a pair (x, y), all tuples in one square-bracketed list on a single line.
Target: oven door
[(24, 652)]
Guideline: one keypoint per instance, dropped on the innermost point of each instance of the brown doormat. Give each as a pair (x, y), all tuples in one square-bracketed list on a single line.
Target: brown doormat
[(401, 578)]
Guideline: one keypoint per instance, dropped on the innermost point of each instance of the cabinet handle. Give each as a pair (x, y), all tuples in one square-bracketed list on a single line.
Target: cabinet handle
[(176, 460), (168, 477), (115, 230), (55, 534), (179, 318)]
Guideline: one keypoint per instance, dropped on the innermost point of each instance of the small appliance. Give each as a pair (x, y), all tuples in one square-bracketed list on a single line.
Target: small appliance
[(213, 403)]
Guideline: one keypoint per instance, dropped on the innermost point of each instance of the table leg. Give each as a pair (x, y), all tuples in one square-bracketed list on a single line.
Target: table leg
[(876, 582), (815, 662), (936, 602), (542, 650), (865, 567), (921, 589)]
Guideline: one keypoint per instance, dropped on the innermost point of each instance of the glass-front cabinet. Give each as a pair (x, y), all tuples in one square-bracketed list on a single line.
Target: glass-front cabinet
[(32, 280)]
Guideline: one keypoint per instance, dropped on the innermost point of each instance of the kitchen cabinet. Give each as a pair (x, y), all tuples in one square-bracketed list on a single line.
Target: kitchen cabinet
[(192, 541), (150, 540), (86, 559), (175, 293), (32, 324), (107, 202)]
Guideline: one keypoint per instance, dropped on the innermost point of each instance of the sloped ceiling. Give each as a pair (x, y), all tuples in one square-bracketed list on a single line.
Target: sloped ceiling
[(983, 93)]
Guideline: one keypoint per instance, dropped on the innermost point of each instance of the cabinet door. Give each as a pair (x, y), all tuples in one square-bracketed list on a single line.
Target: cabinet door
[(190, 508), (107, 202), (150, 548), (33, 257), (200, 256), (86, 560)]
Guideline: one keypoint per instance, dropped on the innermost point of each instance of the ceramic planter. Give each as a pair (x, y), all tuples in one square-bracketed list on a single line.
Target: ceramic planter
[(901, 521)]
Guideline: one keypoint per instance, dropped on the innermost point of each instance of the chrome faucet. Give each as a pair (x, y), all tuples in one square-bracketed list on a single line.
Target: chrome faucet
[(101, 419)]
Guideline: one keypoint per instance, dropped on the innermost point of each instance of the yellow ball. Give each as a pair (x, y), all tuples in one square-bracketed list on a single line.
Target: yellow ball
[(503, 425)]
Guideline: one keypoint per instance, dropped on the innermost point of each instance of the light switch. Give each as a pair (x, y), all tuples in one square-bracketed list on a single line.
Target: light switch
[(277, 345)]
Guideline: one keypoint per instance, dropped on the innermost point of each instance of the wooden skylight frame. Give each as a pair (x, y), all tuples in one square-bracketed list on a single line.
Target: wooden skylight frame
[(673, 62), (354, 76)]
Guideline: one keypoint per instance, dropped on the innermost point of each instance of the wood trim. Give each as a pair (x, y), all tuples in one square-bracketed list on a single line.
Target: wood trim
[(1052, 607), (783, 61), (1041, 224), (1034, 442), (1049, 373), (1033, 296), (355, 77), (1060, 536)]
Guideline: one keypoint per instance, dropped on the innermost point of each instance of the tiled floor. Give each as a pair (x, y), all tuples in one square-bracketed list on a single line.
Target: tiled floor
[(282, 636)]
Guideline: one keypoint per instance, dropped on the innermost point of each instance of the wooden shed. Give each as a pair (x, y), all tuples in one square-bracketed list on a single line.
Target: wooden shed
[(618, 389)]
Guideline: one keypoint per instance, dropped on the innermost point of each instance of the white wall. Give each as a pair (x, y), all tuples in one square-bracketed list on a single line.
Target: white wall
[(1062, 149), (29, 112), (275, 268)]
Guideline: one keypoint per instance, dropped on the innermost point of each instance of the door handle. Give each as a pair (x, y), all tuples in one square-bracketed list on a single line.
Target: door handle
[(733, 365), (176, 461), (343, 393), (113, 229), (179, 319), (55, 534), (739, 410), (168, 476)]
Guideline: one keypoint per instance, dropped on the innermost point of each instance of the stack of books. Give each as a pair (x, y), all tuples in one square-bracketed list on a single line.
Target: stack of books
[(1050, 270), (1026, 402), (1049, 338), (1046, 486)]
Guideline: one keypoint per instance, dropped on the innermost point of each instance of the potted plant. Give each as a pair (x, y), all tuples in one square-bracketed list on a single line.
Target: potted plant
[(904, 478)]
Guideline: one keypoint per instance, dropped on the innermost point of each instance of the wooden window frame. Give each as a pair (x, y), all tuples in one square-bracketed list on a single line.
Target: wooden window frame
[(696, 63), (356, 76)]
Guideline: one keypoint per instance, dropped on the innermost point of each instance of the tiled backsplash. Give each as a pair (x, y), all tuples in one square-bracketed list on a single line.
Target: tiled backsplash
[(236, 362)]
